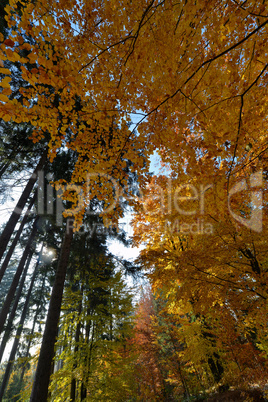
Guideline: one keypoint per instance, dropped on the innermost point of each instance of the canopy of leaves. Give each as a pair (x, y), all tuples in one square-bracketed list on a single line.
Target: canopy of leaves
[(195, 75)]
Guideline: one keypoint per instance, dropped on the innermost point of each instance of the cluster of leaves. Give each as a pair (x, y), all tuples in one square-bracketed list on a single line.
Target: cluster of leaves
[(196, 73), (187, 356)]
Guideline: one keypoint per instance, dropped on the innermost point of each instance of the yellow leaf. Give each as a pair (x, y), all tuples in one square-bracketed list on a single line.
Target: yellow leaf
[(6, 117), (7, 91), (26, 46), (5, 82), (3, 98), (4, 70)]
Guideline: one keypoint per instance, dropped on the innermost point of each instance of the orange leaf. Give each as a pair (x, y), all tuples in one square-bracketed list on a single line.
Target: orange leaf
[(9, 42), (6, 117)]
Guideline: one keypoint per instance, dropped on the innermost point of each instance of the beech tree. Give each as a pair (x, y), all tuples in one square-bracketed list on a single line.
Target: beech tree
[(206, 276), (195, 75)]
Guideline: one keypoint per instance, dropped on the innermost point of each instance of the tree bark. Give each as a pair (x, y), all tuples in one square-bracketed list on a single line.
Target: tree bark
[(17, 337), (77, 337), (15, 240), (14, 284), (43, 371), (38, 310), (10, 225), (14, 308)]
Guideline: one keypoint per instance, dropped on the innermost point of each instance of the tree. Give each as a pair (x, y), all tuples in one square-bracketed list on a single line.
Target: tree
[(206, 277), (149, 367), (16, 238), (29, 249), (14, 308), (182, 92), (92, 353), (10, 225), (18, 335), (196, 74), (42, 375)]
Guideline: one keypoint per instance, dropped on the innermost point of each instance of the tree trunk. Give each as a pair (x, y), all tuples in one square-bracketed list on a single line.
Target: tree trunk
[(83, 393), (15, 240), (216, 367), (10, 225), (88, 358), (14, 284), (77, 337), (43, 371), (14, 308), (17, 337), (4, 168), (38, 310)]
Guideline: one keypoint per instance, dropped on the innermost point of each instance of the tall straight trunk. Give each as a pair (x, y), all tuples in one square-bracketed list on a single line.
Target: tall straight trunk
[(38, 310), (83, 393), (43, 371), (17, 336), (5, 309), (10, 225), (4, 168), (16, 238), (88, 359), (77, 337), (14, 308)]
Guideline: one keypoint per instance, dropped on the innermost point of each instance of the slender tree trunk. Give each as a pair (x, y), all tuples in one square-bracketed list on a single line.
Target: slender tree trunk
[(38, 310), (83, 392), (15, 240), (14, 308), (14, 284), (3, 168), (215, 367), (88, 324), (42, 375), (88, 359), (77, 337), (10, 226), (17, 337)]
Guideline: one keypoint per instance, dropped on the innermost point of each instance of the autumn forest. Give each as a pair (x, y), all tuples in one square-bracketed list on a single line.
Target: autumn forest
[(92, 94)]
